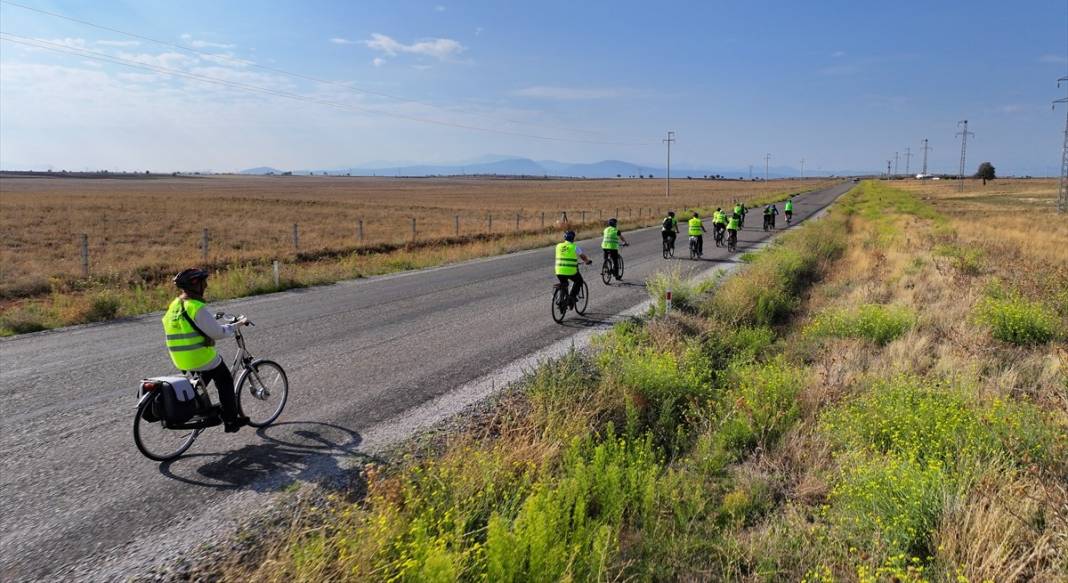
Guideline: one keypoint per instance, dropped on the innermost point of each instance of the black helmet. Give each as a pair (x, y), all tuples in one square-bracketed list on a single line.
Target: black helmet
[(719, 209), (189, 279), (671, 213), (695, 214), (569, 236), (612, 222)]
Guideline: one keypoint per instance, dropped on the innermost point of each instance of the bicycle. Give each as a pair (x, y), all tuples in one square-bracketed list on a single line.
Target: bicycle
[(264, 380), (789, 217), (612, 267), (767, 222), (562, 301), (732, 241), (717, 235), (693, 248), (669, 247)]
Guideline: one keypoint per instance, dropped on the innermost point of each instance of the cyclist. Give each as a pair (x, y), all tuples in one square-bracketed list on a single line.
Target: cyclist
[(719, 223), (741, 219), (567, 257), (696, 228), (789, 208), (774, 213), (669, 229), (767, 217), (610, 244), (733, 224), (191, 332)]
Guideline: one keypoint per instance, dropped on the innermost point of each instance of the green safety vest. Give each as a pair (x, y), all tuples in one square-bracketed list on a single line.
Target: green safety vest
[(718, 218), (737, 209), (611, 238), (566, 259), (695, 227), (789, 206), (732, 225), (189, 349)]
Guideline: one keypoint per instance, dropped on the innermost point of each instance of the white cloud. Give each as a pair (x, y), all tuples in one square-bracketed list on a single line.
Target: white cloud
[(203, 44), (438, 48), (342, 41), (570, 93), (118, 43), (378, 61), (74, 43), (1052, 58), (478, 30), (439, 8), (838, 54), (167, 60)]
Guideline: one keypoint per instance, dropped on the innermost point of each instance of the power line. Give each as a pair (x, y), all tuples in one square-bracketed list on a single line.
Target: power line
[(895, 164), (908, 158), (246, 62), (963, 147), (802, 168), (95, 55), (767, 159)]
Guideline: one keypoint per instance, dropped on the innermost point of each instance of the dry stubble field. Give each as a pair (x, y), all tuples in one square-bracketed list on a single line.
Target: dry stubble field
[(139, 230)]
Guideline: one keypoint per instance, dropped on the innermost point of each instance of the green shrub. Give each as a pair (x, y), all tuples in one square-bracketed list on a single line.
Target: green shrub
[(1018, 321), (759, 406), (967, 260), (23, 319), (103, 306), (568, 528), (879, 324), (888, 504), (684, 291)]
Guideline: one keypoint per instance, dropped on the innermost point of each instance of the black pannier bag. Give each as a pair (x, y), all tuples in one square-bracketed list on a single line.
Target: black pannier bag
[(178, 398)]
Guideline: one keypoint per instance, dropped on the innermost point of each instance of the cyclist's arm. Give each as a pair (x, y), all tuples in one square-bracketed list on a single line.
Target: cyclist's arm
[(623, 239), (209, 325)]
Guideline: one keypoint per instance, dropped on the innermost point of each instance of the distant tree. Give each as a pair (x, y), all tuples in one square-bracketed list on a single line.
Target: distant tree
[(619, 176), (986, 172), (689, 178)]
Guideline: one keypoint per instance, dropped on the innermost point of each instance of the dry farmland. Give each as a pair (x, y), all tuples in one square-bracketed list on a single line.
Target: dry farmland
[(139, 227)]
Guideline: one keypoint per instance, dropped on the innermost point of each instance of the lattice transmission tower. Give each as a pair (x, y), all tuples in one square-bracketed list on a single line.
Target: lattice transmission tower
[(1062, 195)]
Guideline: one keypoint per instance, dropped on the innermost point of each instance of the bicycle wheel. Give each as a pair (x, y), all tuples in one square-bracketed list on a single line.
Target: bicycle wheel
[(268, 390), (606, 271), (619, 267), (583, 299), (667, 249), (559, 305), (671, 249), (693, 249), (155, 441)]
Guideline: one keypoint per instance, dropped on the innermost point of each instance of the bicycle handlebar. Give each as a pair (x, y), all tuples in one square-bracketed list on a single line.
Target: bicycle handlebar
[(233, 319)]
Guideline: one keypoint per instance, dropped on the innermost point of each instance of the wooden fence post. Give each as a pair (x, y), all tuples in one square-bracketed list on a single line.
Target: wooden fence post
[(457, 217), (543, 219), (413, 228), (204, 245), (85, 255), (517, 222), (359, 230), (296, 237)]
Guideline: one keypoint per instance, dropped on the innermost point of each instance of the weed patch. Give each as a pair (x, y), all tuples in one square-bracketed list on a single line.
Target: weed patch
[(879, 324), (1018, 321)]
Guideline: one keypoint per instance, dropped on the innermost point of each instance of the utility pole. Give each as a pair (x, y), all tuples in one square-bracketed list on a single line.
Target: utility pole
[(963, 133), (888, 163), (767, 160), (1062, 196), (908, 158), (669, 140), (895, 164), (926, 149), (802, 168), (750, 172)]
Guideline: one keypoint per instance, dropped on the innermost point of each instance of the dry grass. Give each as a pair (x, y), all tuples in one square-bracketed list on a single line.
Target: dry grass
[(144, 226)]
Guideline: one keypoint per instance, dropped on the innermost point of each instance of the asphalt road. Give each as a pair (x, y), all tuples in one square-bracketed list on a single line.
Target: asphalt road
[(78, 501)]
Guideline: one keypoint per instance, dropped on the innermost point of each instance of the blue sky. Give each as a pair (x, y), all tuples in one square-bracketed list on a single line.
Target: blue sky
[(842, 84)]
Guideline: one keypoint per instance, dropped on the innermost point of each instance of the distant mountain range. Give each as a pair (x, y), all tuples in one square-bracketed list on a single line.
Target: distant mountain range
[(517, 166)]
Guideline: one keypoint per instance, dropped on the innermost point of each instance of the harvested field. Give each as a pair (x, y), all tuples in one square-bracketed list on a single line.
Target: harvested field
[(137, 228)]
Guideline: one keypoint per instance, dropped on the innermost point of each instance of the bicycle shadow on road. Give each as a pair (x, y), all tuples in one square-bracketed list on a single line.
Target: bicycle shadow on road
[(292, 452)]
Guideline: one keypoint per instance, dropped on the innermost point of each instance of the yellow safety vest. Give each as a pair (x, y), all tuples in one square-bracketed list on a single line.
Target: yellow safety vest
[(719, 218), (566, 259), (695, 227), (188, 348), (611, 238)]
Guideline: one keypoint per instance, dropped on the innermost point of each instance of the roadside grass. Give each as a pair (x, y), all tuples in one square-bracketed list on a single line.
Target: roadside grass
[(870, 432), (43, 302)]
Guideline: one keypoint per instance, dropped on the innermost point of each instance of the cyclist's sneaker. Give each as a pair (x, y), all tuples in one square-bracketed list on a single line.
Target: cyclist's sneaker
[(236, 424)]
